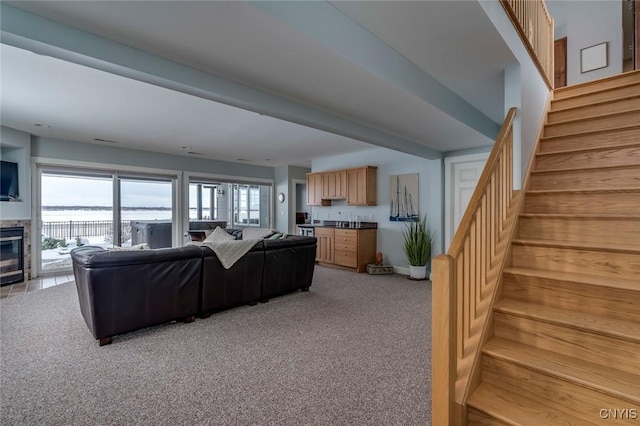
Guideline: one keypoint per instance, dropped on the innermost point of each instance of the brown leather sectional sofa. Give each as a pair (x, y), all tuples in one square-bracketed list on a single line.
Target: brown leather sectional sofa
[(123, 291)]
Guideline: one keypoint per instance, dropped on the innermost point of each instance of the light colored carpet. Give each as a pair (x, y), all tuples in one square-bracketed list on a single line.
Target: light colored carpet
[(354, 350)]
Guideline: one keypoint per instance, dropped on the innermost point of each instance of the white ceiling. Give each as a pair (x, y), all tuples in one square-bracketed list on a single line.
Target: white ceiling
[(452, 41)]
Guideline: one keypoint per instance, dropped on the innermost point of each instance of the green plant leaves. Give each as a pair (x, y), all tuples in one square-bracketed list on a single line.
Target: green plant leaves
[(417, 242)]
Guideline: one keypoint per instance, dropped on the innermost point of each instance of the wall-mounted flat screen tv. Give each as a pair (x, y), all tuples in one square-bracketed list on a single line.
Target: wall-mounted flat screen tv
[(8, 181)]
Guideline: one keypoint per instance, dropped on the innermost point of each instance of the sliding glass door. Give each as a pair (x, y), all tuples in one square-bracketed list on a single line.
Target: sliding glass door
[(101, 208), (146, 211), (75, 209)]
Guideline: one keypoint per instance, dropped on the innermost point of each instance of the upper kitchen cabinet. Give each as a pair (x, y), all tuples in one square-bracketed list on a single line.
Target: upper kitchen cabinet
[(362, 186), (314, 190), (358, 186), (334, 185)]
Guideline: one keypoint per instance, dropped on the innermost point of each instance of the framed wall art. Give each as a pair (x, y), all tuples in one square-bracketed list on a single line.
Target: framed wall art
[(593, 57), (403, 190)]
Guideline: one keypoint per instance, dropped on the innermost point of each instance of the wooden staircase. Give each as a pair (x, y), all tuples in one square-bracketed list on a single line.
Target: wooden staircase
[(565, 348)]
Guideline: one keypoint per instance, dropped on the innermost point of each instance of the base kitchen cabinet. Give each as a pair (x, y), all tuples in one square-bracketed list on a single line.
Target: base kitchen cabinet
[(352, 248), (324, 249)]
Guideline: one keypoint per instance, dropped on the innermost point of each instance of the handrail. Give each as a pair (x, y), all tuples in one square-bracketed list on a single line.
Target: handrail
[(534, 24), (465, 279)]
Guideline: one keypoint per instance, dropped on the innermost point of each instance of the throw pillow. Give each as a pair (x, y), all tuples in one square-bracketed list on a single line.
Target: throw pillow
[(275, 236), (219, 234)]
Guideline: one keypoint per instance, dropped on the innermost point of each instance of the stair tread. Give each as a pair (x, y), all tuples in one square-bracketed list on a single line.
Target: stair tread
[(575, 169), (597, 87), (604, 216), (578, 320), (592, 117), (605, 379), (595, 103), (582, 191), (515, 409), (597, 280), (588, 132), (578, 245), (590, 148)]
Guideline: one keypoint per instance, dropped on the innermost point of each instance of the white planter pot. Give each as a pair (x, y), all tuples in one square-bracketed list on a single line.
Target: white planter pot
[(418, 272)]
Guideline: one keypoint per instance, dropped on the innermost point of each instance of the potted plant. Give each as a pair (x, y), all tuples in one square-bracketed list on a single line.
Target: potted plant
[(417, 247)]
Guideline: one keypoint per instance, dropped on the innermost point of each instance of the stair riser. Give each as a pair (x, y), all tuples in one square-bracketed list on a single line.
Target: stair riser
[(478, 418), (594, 109), (592, 125), (616, 178), (562, 395), (606, 157), (595, 140), (589, 299), (580, 230), (607, 351), (590, 262), (583, 203), (598, 86)]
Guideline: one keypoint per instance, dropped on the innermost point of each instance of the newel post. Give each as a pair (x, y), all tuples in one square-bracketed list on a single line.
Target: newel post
[(443, 340)]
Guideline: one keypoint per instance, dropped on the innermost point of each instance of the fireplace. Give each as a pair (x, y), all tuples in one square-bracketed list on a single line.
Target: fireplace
[(11, 255)]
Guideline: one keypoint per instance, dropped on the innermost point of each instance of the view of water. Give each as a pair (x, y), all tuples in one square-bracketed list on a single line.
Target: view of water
[(88, 215)]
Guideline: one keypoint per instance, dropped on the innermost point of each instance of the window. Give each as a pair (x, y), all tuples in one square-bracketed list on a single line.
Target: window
[(246, 206)]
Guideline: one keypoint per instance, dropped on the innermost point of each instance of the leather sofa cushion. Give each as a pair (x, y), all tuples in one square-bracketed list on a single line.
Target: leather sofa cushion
[(97, 257), (290, 241)]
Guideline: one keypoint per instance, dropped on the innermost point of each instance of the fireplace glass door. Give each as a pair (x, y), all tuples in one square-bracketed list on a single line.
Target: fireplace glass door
[(11, 255)]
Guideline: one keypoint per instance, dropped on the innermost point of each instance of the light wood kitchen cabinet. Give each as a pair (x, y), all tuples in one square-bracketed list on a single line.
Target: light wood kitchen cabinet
[(334, 185), (358, 186), (325, 248), (314, 190), (362, 186), (351, 248)]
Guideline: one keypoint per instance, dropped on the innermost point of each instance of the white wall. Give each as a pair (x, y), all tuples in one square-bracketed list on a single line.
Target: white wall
[(533, 91), (15, 146), (389, 163), (586, 23)]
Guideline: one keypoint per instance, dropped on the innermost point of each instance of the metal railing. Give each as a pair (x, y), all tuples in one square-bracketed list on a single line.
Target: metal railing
[(83, 228)]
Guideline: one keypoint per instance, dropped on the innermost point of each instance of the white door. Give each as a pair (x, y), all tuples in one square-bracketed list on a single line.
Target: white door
[(461, 176)]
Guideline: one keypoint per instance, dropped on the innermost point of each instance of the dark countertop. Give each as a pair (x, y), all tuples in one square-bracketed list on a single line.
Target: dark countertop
[(333, 224)]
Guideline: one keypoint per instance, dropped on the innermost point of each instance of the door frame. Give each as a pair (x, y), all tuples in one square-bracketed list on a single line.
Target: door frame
[(293, 203)]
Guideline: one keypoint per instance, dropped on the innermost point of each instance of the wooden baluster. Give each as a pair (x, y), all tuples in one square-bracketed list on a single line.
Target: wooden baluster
[(472, 270)]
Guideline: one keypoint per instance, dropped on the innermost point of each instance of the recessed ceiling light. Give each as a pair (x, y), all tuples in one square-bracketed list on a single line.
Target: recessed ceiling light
[(267, 159), (104, 140), (195, 153), (241, 159), (187, 147), (41, 125)]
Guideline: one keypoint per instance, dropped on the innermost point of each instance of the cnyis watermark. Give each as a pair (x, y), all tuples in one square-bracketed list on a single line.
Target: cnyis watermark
[(619, 413)]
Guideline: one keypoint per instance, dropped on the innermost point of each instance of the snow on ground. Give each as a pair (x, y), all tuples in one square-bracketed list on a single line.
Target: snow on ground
[(61, 258)]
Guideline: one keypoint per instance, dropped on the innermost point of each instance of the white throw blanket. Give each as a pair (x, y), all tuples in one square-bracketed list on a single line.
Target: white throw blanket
[(229, 252)]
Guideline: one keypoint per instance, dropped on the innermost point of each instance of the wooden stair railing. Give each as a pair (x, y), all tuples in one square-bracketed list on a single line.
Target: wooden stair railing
[(534, 24), (465, 279)]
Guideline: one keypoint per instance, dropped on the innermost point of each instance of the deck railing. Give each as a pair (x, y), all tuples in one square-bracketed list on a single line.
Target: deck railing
[(83, 228), (465, 279), (534, 24)]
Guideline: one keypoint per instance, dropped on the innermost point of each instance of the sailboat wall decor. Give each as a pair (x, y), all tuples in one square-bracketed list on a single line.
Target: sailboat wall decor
[(404, 198)]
